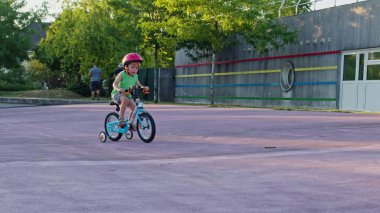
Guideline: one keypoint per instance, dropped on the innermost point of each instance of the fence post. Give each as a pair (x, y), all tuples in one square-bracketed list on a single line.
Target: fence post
[(212, 80), (159, 85)]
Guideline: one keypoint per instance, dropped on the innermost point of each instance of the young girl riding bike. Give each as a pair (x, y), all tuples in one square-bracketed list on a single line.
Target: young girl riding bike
[(123, 82)]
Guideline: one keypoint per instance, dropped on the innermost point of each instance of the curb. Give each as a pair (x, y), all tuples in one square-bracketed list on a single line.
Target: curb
[(44, 101)]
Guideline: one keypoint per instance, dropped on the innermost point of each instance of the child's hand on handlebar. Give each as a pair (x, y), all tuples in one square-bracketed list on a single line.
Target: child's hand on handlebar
[(146, 90)]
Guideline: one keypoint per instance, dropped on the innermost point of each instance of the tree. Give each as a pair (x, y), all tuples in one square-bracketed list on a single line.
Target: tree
[(152, 22), (89, 31), (104, 31), (15, 31), (206, 27)]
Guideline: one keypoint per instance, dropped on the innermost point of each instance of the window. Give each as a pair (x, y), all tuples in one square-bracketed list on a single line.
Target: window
[(349, 67), (373, 72), (374, 56)]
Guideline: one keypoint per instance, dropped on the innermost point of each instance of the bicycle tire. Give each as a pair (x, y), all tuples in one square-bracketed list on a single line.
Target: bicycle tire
[(115, 136), (148, 123)]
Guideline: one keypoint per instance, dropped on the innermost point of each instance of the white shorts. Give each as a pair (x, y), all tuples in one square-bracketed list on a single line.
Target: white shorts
[(117, 98)]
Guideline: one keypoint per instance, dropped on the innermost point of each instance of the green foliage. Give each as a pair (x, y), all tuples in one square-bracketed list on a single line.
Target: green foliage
[(6, 86), (90, 31), (208, 26), (15, 79), (13, 75), (157, 43), (105, 30), (41, 74), (82, 88), (15, 31), (54, 94)]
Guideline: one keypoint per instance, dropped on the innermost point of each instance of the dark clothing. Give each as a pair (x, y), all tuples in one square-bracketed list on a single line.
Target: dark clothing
[(116, 72), (95, 85)]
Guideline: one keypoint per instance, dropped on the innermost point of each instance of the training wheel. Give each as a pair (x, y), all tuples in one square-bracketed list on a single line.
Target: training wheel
[(129, 134), (102, 137)]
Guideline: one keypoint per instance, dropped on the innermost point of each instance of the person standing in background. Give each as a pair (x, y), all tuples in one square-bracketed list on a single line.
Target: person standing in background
[(95, 75)]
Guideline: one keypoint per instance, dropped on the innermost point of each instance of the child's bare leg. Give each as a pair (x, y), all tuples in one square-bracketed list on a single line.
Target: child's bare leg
[(123, 106), (132, 108), (131, 105)]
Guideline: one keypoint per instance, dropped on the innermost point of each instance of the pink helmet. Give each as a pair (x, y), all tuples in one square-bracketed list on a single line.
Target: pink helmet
[(131, 57)]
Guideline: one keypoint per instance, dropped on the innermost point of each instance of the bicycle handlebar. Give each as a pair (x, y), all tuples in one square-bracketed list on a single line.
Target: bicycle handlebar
[(135, 88)]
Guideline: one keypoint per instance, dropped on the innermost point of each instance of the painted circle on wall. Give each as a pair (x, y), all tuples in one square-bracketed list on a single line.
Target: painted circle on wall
[(287, 77)]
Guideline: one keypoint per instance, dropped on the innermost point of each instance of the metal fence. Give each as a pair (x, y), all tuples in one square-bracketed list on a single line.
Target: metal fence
[(166, 83)]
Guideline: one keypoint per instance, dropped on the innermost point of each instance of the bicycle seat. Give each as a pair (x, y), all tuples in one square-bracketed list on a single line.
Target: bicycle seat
[(113, 103)]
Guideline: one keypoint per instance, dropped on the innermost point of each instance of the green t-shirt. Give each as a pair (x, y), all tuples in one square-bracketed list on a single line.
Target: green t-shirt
[(126, 82)]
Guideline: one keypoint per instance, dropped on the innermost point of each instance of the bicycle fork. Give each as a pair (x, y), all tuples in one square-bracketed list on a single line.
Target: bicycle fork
[(138, 109)]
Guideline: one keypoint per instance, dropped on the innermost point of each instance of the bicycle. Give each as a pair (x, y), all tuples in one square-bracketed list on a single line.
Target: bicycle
[(145, 125)]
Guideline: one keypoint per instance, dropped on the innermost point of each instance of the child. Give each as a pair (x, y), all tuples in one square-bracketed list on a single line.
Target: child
[(123, 82)]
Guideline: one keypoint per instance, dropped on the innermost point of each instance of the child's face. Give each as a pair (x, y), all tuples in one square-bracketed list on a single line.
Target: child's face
[(133, 68)]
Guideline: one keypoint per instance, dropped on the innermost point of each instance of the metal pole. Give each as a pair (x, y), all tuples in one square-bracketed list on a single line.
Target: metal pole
[(212, 80), (155, 73), (159, 85)]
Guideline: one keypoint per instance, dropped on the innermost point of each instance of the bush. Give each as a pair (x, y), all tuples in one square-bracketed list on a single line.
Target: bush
[(41, 74), (82, 88), (15, 79), (5, 86)]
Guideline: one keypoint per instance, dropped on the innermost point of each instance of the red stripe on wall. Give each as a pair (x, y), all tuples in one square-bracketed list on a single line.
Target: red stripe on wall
[(262, 59)]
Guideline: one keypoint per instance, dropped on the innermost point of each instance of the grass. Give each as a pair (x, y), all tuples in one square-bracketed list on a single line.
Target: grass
[(53, 94)]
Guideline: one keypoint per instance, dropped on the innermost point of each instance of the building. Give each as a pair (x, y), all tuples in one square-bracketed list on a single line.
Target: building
[(334, 65)]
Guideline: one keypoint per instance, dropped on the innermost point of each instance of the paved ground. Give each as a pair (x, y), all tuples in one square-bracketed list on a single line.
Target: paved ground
[(202, 160)]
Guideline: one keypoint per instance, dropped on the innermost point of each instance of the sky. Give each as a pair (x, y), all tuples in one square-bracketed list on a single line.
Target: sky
[(55, 5), (331, 3)]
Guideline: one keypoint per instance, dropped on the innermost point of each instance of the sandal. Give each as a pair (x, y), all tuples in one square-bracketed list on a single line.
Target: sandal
[(121, 123), (132, 127)]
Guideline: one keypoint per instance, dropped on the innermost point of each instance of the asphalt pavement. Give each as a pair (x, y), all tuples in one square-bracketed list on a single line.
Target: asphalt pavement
[(202, 160)]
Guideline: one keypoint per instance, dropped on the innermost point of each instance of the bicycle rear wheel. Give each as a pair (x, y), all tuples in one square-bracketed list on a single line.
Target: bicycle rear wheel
[(146, 128), (111, 126)]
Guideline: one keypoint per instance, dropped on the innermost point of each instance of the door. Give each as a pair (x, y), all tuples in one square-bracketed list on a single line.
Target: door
[(360, 82), (352, 86), (372, 71)]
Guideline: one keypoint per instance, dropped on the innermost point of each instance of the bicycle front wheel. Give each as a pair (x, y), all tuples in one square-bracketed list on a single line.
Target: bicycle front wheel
[(146, 128), (111, 126)]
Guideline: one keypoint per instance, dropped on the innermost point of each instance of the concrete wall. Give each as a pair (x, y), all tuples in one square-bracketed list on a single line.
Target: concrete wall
[(253, 80)]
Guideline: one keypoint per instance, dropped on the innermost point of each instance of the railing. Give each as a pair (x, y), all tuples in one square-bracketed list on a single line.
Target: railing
[(316, 4)]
